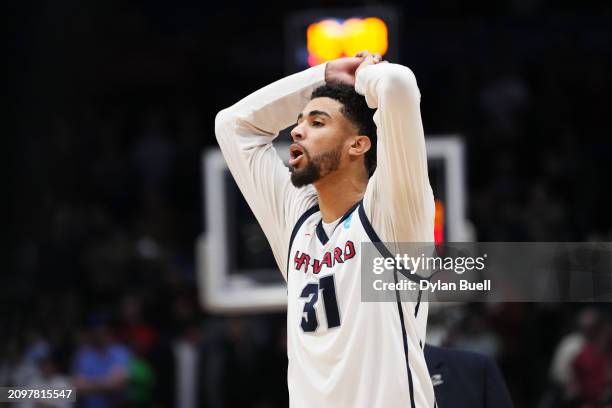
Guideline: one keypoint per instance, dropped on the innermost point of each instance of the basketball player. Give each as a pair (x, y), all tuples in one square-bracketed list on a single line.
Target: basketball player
[(357, 173)]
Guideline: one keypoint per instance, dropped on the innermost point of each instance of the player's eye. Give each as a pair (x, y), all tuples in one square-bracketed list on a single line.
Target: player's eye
[(316, 123)]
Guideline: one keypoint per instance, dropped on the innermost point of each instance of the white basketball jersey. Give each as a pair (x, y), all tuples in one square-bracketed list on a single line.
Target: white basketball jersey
[(344, 352)]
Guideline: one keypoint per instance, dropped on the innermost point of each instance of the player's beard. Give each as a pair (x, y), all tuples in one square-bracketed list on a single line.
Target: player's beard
[(316, 167)]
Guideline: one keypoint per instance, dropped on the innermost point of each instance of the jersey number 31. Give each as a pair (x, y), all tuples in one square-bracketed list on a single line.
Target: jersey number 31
[(311, 293)]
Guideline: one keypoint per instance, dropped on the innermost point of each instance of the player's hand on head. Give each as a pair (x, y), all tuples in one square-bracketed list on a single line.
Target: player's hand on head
[(342, 70)]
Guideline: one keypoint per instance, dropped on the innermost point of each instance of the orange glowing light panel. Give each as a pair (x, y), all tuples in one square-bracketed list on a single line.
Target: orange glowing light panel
[(330, 39)]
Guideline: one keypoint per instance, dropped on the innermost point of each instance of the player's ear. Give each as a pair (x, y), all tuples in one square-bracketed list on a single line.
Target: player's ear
[(359, 145)]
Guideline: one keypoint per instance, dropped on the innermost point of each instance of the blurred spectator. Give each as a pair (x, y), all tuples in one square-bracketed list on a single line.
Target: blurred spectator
[(240, 363), (142, 379), (133, 329), (187, 354), (49, 379), (101, 369), (592, 367), (562, 365), (181, 367), (28, 369)]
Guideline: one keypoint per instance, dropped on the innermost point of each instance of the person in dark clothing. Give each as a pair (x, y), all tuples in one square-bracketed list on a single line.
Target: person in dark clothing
[(465, 379)]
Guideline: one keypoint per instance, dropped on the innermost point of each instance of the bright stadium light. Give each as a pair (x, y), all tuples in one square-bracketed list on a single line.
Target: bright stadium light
[(366, 34), (324, 40), (315, 36), (329, 39)]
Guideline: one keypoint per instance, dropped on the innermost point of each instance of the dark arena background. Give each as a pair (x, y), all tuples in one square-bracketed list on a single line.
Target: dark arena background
[(113, 105)]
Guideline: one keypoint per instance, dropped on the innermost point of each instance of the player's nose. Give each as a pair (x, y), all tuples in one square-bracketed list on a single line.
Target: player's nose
[(296, 133)]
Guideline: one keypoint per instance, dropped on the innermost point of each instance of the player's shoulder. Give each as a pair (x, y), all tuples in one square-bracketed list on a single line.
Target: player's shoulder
[(303, 201)]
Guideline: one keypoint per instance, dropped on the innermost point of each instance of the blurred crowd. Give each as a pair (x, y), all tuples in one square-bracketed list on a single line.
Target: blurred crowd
[(103, 295), (147, 351), (153, 347)]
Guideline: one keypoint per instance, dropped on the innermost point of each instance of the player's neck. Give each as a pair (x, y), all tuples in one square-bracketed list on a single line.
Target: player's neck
[(338, 193)]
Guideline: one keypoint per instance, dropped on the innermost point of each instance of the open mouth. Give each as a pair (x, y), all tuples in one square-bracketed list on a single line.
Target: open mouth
[(295, 154)]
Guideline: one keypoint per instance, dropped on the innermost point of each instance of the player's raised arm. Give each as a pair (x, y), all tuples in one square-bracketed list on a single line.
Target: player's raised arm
[(398, 199), (245, 132)]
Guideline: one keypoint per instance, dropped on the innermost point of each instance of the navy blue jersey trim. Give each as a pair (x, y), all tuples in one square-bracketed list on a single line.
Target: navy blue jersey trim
[(376, 240), (416, 309), (321, 233), (405, 340), (323, 238), (296, 228)]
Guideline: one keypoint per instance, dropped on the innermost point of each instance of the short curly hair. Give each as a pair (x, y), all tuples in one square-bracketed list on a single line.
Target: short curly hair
[(356, 110)]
